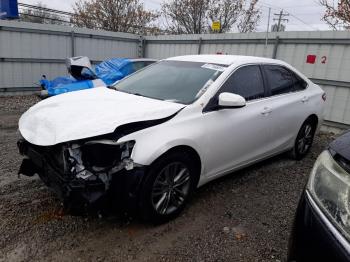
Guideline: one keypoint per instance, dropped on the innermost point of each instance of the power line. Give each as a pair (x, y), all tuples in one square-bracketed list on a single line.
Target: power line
[(291, 14), (59, 13), (43, 17), (304, 22), (42, 8), (269, 6)]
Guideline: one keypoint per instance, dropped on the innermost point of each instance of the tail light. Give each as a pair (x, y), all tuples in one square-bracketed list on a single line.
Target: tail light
[(324, 97)]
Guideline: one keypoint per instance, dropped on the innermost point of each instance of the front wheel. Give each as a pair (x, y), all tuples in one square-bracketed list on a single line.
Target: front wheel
[(304, 140), (168, 187)]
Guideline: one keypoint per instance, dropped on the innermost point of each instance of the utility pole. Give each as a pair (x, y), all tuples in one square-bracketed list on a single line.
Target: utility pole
[(268, 27), (281, 17)]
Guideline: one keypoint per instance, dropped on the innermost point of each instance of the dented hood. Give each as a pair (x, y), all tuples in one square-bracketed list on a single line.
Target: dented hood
[(88, 113)]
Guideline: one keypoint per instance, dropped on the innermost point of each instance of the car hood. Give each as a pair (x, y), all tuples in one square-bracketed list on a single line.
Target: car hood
[(88, 113), (342, 145)]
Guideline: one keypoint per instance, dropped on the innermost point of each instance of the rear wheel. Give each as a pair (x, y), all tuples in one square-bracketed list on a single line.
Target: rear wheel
[(304, 139), (168, 187)]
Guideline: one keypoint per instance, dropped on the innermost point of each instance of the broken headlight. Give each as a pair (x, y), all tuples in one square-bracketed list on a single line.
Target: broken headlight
[(101, 156), (329, 185)]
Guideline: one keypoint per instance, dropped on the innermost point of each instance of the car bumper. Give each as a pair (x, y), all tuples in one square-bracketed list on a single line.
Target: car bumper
[(123, 187), (314, 238)]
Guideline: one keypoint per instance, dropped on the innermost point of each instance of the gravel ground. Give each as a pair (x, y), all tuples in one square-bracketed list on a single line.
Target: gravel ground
[(245, 216)]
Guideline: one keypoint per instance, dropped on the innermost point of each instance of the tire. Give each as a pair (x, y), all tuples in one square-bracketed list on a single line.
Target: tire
[(304, 140), (168, 187)]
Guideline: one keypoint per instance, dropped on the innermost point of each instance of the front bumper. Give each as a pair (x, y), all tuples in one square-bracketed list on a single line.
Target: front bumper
[(313, 237), (123, 186)]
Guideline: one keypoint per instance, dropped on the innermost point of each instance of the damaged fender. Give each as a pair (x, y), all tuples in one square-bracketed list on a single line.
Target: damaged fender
[(153, 142)]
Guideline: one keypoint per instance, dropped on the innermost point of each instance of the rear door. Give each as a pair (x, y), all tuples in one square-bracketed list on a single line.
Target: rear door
[(287, 102)]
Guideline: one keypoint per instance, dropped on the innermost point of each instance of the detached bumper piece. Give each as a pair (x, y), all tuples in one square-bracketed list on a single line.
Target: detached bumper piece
[(313, 237), (120, 186)]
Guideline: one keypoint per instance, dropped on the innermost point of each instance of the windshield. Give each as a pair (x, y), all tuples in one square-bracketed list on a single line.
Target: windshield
[(177, 81)]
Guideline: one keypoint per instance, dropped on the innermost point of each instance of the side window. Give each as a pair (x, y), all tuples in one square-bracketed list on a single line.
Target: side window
[(138, 65), (300, 84), (282, 81), (147, 63), (246, 81)]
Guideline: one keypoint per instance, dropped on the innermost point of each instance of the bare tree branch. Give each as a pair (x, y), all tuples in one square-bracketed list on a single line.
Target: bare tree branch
[(196, 16), (227, 12), (185, 16), (249, 19), (337, 16), (113, 15)]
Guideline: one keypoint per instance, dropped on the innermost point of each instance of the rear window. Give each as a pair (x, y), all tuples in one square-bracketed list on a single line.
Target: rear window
[(281, 80)]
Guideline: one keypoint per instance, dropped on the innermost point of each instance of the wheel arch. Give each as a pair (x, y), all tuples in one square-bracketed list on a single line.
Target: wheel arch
[(313, 118), (194, 155)]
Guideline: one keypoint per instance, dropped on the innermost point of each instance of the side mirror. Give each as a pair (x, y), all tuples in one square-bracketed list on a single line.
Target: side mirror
[(231, 100)]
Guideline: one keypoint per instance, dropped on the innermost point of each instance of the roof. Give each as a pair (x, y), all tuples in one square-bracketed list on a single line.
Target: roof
[(143, 60), (223, 59)]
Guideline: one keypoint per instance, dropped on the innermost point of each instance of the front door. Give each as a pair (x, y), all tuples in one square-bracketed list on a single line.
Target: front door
[(237, 136)]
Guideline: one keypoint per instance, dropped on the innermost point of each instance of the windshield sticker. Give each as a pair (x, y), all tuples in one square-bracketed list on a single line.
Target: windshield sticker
[(214, 67), (204, 88)]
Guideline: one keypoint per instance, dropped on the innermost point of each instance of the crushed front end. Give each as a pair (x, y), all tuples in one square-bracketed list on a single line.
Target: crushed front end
[(84, 172)]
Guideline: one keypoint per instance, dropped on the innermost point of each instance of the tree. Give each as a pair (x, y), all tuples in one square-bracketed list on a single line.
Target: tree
[(235, 14), (249, 18), (196, 16), (337, 16), (40, 15), (185, 16), (113, 15)]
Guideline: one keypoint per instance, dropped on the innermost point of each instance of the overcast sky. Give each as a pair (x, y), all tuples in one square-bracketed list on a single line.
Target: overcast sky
[(304, 14)]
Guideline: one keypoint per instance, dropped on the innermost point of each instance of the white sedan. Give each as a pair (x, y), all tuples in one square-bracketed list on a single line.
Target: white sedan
[(153, 138)]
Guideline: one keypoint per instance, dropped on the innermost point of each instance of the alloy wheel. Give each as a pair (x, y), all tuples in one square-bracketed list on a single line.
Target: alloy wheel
[(305, 139), (171, 188)]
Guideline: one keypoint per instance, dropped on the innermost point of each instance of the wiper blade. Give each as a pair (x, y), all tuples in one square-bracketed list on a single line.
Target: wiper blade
[(112, 87), (138, 94), (135, 94)]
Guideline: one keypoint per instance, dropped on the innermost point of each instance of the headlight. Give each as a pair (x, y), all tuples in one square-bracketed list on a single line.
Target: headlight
[(104, 155), (329, 185)]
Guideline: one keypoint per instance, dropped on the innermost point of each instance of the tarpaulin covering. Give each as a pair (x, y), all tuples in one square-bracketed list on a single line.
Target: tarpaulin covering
[(108, 71), (58, 81), (113, 70)]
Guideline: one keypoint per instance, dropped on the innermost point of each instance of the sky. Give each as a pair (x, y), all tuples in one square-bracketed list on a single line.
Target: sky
[(305, 15)]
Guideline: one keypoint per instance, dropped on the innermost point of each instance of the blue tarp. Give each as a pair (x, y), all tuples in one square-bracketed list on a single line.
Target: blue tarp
[(113, 70), (8, 9), (55, 87), (108, 71)]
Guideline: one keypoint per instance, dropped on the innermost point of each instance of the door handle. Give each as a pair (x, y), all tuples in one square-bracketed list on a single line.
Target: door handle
[(266, 111), (304, 99)]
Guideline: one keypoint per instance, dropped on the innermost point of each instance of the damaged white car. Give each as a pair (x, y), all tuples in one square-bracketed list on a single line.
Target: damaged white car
[(157, 135)]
